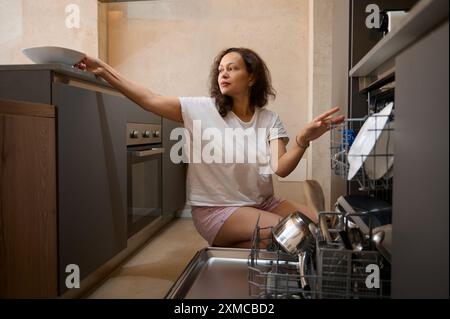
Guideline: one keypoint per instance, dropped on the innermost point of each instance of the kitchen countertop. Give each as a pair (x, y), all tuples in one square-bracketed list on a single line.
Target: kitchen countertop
[(57, 68)]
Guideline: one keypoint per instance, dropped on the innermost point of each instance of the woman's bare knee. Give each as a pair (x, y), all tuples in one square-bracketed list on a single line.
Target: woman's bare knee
[(240, 226), (262, 244)]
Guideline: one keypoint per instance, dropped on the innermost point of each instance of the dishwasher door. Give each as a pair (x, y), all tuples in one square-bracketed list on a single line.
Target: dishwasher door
[(214, 273)]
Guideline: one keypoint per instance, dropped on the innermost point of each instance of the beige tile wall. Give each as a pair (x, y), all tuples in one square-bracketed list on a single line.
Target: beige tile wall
[(169, 46), (340, 66), (321, 13), (27, 23)]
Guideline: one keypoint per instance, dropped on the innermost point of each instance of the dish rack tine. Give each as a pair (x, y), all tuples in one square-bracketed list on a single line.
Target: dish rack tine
[(255, 238)]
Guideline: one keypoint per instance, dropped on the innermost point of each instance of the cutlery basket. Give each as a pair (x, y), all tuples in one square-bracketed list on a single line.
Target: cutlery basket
[(346, 273), (332, 273)]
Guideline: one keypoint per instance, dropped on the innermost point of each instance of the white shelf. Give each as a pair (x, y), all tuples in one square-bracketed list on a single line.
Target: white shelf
[(422, 18)]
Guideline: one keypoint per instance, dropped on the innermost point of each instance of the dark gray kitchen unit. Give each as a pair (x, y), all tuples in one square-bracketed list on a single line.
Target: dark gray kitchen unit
[(91, 157), (420, 267), (91, 178), (174, 174)]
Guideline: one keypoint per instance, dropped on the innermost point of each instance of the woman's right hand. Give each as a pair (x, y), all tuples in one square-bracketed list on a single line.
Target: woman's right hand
[(91, 64)]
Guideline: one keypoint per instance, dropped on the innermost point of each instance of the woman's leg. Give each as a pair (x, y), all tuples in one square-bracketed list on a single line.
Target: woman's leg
[(238, 229), (247, 244), (286, 207)]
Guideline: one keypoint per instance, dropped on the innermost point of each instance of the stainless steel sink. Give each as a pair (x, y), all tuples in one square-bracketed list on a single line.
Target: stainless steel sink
[(214, 273)]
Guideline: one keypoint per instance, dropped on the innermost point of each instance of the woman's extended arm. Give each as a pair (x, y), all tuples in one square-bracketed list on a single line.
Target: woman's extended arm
[(165, 106), (284, 162)]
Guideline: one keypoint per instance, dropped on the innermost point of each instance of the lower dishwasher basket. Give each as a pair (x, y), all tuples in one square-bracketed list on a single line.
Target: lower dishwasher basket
[(331, 272), (348, 274)]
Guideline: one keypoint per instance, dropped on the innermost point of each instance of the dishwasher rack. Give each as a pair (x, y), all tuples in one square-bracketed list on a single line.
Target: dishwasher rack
[(349, 273), (333, 272), (341, 139), (274, 274)]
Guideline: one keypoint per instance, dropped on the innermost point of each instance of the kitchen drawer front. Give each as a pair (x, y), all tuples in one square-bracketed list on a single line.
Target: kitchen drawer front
[(25, 85), (136, 114)]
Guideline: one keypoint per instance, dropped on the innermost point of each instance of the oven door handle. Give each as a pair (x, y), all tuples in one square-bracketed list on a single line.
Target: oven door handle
[(152, 151)]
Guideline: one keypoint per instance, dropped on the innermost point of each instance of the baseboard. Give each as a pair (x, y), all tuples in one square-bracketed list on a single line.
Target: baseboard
[(186, 212)]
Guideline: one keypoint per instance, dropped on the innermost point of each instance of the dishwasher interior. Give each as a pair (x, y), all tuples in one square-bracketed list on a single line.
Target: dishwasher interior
[(325, 268), (351, 256)]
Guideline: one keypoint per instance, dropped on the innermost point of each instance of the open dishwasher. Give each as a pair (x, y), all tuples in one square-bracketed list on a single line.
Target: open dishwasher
[(330, 270)]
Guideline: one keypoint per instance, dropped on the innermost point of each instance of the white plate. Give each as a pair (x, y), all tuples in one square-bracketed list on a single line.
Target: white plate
[(53, 54), (366, 139), (381, 159)]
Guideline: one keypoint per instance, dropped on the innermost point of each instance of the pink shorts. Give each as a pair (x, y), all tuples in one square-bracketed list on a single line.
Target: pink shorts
[(209, 219)]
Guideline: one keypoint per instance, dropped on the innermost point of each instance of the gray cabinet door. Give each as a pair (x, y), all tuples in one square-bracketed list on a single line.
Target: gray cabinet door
[(420, 202), (173, 175), (91, 147)]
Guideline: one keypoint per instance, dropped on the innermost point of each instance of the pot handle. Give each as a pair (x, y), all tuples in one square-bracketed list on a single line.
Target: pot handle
[(324, 228), (302, 270)]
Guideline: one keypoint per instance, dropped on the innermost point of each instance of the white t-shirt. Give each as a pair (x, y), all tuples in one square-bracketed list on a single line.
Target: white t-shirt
[(222, 168)]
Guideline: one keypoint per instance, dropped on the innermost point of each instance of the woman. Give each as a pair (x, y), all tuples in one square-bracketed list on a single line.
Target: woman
[(228, 198)]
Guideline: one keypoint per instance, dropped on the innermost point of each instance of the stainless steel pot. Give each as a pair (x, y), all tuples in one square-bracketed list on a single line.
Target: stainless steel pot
[(291, 232)]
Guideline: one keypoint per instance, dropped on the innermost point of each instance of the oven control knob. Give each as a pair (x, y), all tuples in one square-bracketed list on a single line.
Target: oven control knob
[(146, 134), (134, 134), (155, 133)]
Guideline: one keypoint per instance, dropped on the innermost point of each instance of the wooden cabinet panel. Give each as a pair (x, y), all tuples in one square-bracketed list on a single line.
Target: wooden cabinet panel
[(28, 235)]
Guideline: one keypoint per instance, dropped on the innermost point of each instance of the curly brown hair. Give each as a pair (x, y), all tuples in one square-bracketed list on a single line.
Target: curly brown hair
[(260, 91)]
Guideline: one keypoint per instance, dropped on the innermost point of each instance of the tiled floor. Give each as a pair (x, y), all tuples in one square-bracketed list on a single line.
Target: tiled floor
[(152, 271)]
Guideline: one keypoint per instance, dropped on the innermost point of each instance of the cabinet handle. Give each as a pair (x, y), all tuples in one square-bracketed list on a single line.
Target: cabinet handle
[(149, 152)]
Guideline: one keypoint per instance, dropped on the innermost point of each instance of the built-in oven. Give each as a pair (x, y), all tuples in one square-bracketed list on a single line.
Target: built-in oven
[(144, 183)]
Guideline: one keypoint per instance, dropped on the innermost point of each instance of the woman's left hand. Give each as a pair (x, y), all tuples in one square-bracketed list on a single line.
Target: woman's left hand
[(318, 126)]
